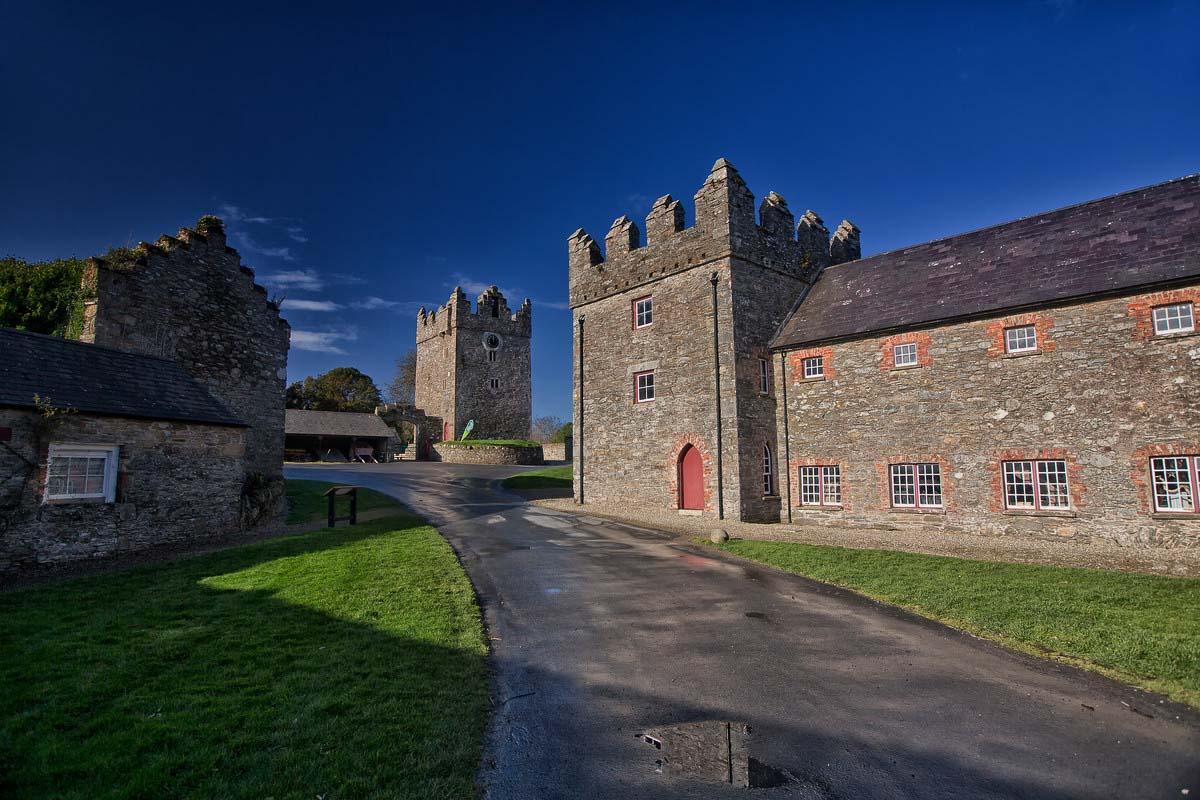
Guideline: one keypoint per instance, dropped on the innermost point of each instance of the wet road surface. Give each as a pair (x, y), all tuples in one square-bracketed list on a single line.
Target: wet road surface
[(601, 631)]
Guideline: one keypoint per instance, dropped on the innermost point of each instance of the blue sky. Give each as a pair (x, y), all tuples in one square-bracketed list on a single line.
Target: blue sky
[(367, 163)]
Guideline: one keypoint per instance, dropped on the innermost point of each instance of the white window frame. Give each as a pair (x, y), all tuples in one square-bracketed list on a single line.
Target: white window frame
[(916, 481), (764, 376), (108, 491), (1038, 475), (905, 348), (1184, 492), (643, 390), (1021, 339), (643, 312), (814, 367), (821, 486), (768, 471), (1163, 319)]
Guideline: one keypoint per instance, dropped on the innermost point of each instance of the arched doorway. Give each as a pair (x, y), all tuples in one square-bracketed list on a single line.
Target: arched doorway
[(691, 479)]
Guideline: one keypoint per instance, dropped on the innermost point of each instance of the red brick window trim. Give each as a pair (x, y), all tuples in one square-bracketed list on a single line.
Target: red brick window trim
[(1142, 310), (911, 346), (643, 312), (804, 362), (643, 386), (1003, 332)]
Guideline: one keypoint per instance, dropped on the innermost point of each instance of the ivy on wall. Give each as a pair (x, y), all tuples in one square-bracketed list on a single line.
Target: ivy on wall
[(43, 297)]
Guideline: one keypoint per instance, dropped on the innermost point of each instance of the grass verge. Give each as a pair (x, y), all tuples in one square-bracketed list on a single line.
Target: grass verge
[(347, 663), (307, 501), (548, 478), (1140, 629)]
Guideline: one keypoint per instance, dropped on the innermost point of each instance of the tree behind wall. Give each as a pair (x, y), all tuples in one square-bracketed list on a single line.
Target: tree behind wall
[(403, 388), (340, 389), (43, 297)]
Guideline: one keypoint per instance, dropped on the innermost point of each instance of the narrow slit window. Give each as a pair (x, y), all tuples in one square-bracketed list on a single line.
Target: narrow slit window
[(768, 470), (493, 383), (764, 376)]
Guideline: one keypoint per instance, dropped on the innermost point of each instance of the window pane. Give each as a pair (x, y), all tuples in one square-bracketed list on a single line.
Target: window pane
[(810, 486), (814, 367), (1018, 484), (1052, 484), (832, 485), (1172, 484), (56, 485), (768, 471), (94, 485), (1020, 340), (903, 485), (905, 354), (1170, 319), (929, 484)]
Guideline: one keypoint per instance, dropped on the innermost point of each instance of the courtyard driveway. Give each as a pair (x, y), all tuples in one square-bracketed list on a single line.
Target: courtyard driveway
[(601, 631)]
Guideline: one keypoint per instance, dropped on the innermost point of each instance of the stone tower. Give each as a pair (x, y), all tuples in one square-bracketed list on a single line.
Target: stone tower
[(475, 365), (674, 384)]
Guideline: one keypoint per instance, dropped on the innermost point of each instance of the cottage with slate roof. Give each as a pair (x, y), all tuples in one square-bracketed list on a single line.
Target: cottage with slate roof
[(1039, 378), (164, 427)]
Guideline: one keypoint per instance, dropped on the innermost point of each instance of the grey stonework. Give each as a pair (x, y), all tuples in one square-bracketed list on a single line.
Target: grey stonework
[(630, 450), (454, 372), (453, 453), (1100, 394), (178, 484), (1103, 393), (191, 300)]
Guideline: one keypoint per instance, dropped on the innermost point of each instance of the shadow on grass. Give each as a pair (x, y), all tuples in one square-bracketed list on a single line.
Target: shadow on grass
[(347, 663)]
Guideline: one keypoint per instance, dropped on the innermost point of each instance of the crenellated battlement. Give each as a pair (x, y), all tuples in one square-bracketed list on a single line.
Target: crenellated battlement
[(726, 225), (491, 311)]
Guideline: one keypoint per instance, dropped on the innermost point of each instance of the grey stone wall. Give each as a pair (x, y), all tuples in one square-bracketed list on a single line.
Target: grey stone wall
[(453, 453), (454, 372), (557, 451), (630, 451), (178, 484), (1102, 393), (190, 299)]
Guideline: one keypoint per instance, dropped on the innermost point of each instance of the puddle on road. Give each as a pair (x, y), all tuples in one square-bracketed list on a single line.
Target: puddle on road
[(714, 751)]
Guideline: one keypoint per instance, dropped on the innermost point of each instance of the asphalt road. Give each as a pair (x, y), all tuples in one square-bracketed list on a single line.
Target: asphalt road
[(601, 631)]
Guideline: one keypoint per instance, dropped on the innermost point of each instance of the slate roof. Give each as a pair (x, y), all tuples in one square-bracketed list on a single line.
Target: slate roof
[(101, 380), (335, 423), (1109, 246)]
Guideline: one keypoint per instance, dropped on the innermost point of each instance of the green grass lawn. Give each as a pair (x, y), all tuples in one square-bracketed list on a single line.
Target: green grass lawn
[(1141, 629), (548, 478), (306, 501), (346, 663)]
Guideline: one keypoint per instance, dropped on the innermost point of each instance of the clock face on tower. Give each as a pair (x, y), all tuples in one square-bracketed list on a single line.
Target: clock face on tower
[(491, 341)]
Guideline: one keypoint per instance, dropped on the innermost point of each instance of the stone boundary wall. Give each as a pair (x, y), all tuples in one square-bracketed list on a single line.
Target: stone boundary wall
[(557, 451), (485, 454)]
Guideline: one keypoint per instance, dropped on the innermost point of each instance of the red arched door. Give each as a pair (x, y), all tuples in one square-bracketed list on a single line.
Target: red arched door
[(445, 431), (691, 479)]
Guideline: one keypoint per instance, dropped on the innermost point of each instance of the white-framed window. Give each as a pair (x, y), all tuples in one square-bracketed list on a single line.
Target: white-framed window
[(821, 485), (492, 355), (1036, 485), (1175, 480), (1175, 318), (768, 470), (643, 386), (916, 485), (82, 472), (764, 376), (643, 312), (493, 383), (1022, 339), (814, 367), (905, 355)]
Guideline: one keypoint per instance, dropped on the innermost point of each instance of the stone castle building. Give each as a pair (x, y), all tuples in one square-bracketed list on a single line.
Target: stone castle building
[(1036, 378), (163, 425), (475, 365)]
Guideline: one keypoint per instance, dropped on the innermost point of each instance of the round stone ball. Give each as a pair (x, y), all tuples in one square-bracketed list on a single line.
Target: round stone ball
[(718, 536)]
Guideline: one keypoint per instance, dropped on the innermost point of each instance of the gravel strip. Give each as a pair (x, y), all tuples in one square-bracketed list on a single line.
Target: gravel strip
[(983, 548)]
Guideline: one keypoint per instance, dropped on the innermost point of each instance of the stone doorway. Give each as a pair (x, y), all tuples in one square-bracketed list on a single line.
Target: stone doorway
[(691, 479)]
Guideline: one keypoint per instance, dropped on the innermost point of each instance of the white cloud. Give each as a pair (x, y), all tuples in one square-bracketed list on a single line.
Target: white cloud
[(309, 305), (474, 287), (323, 341), (375, 303), (307, 280), (296, 234), (233, 213), (244, 242)]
